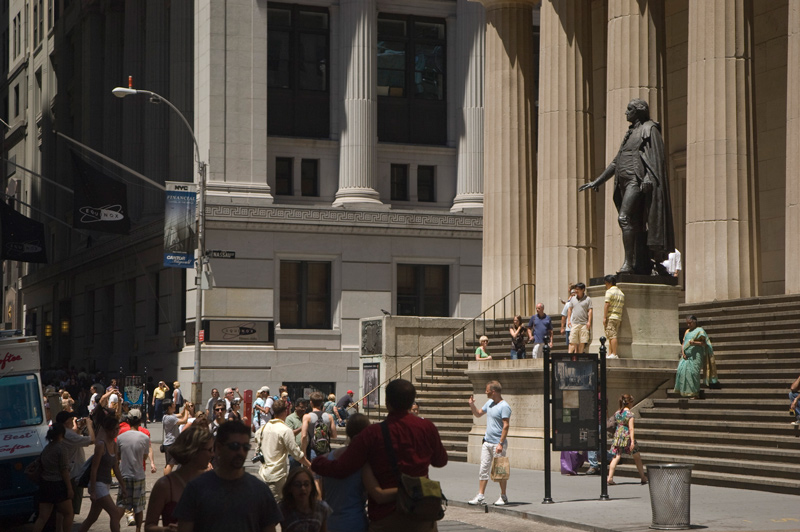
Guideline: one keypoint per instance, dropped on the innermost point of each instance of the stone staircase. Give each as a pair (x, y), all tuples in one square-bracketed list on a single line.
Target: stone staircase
[(443, 397), (739, 435)]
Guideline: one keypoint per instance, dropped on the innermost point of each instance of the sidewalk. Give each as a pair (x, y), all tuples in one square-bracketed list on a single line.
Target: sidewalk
[(576, 502)]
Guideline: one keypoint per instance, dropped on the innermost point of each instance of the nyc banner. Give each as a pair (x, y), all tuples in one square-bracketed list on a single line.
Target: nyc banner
[(179, 224)]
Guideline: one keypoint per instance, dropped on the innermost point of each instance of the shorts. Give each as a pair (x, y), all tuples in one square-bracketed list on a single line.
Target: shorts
[(579, 334), (101, 489), (612, 328), (137, 495), (169, 459), (487, 453), (52, 492)]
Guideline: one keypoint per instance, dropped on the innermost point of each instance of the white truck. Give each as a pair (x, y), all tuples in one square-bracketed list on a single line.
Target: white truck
[(23, 423)]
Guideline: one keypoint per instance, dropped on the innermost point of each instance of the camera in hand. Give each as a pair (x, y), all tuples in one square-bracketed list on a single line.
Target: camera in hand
[(258, 457)]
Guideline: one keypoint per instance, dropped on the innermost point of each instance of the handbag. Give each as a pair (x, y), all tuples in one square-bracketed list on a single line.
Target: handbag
[(34, 471), (418, 497), (501, 468), (86, 473)]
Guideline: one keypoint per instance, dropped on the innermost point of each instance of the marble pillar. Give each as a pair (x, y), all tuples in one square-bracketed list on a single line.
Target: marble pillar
[(358, 145), (471, 50), (565, 217), (793, 152), (721, 240), (231, 100), (509, 200), (635, 69)]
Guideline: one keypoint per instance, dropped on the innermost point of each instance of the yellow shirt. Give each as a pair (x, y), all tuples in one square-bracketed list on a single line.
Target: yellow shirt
[(616, 300), (158, 393)]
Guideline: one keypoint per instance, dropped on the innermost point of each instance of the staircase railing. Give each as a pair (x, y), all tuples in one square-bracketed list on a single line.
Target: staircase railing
[(519, 301)]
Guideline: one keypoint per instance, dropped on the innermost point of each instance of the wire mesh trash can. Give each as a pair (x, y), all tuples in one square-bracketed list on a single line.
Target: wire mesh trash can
[(670, 495)]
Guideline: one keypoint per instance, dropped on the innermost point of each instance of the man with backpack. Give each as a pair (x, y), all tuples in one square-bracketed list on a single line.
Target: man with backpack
[(318, 430)]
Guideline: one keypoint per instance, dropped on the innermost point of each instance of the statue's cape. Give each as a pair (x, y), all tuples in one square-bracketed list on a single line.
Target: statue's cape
[(660, 231)]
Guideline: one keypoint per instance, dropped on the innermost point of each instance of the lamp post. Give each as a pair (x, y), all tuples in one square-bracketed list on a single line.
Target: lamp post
[(121, 92)]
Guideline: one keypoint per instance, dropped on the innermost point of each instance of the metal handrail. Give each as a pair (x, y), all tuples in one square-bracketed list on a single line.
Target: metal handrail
[(527, 294)]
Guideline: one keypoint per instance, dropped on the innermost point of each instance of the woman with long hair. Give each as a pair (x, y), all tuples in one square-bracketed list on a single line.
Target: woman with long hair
[(519, 337), (67, 402), (55, 488), (193, 450), (624, 439), (301, 508), (104, 461), (696, 354)]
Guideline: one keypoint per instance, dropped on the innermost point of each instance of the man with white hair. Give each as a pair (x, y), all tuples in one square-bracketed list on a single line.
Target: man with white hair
[(262, 407)]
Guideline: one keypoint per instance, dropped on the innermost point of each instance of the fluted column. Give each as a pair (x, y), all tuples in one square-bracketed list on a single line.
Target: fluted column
[(471, 50), (565, 217), (721, 251), (635, 70), (358, 155), (509, 186), (793, 153)]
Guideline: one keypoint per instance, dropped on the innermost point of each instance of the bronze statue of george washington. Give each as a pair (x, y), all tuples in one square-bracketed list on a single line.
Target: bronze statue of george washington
[(641, 193)]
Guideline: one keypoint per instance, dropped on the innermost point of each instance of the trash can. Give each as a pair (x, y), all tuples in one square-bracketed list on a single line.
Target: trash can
[(670, 496)]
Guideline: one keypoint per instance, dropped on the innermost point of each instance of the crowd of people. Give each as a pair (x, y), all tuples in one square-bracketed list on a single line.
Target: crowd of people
[(302, 484)]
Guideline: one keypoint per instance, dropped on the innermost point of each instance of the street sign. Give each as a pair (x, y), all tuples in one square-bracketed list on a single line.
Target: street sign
[(202, 335), (220, 254)]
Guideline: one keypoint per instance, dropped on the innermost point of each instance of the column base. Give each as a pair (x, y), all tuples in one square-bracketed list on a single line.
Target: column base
[(468, 204), (358, 198), (238, 194)]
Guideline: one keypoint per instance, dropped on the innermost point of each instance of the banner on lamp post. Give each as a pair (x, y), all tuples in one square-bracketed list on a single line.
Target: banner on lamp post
[(179, 225)]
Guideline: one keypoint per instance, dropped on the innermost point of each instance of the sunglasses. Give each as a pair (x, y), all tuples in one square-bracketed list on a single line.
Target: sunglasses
[(219, 410), (235, 446)]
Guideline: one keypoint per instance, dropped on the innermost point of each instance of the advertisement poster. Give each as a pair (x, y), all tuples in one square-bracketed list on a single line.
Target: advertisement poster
[(371, 381), (575, 406), (179, 225)]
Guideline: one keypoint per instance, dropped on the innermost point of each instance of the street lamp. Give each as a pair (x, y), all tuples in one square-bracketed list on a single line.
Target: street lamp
[(121, 92)]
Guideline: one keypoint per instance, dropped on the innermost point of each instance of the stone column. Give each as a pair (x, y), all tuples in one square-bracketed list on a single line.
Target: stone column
[(471, 49), (635, 69), (565, 217), (358, 154), (721, 244), (792, 272), (509, 199)]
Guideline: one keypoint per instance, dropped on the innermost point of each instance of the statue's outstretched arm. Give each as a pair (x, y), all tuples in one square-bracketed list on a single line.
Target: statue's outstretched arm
[(605, 176)]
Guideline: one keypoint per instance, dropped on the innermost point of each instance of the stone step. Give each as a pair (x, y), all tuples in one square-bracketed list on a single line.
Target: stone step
[(741, 307), (728, 480), (767, 429), (732, 391), (712, 401), (750, 453), (773, 469), (744, 364), (758, 354), (709, 413), (700, 436)]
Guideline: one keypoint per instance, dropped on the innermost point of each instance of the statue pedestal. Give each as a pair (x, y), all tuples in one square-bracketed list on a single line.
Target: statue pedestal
[(649, 328)]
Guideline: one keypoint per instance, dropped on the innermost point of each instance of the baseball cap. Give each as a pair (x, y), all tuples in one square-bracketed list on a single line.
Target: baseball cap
[(263, 389), (135, 413), (350, 391), (64, 416), (166, 402)]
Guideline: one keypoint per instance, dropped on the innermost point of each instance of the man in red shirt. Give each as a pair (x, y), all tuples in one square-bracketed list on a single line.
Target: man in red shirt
[(416, 444)]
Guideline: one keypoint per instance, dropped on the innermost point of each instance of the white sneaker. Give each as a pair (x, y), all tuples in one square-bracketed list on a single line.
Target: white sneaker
[(502, 501), (479, 499), (795, 423), (131, 520), (612, 356)]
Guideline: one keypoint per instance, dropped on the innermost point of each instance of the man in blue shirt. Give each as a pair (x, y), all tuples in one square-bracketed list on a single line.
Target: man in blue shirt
[(540, 328), (494, 441)]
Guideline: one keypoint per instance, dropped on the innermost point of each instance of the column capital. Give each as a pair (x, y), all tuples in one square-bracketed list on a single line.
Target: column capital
[(494, 4)]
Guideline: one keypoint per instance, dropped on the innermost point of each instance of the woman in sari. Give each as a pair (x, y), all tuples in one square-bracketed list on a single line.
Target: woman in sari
[(693, 355)]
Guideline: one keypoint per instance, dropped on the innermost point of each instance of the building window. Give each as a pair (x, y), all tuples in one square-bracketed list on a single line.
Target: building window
[(16, 100), (35, 23), (426, 183), (305, 295), (283, 176), (399, 182), (412, 98), (423, 290), (15, 39), (309, 177), (297, 71), (39, 22)]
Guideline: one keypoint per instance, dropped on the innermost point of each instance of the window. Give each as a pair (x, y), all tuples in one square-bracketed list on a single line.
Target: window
[(35, 23), (15, 44), (297, 71), (39, 21), (305, 295), (399, 182), (309, 177), (423, 290), (412, 57), (426, 184), (20, 401), (16, 100), (283, 176), (50, 18)]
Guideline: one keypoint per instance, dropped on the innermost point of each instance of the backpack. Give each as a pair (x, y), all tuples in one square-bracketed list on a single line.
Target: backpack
[(321, 438)]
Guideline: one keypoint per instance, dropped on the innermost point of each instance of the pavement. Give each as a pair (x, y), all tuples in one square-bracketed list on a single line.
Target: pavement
[(576, 502)]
